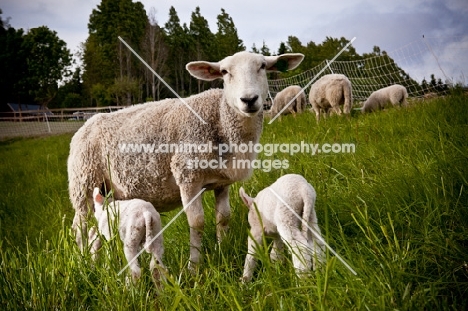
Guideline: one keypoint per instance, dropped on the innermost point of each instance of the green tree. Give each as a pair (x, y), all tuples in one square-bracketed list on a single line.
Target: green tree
[(282, 49), (227, 39), (203, 42), (254, 49), (48, 62), (121, 88), (105, 58), (179, 42), (332, 46), (156, 53), (13, 66), (265, 50), (70, 94)]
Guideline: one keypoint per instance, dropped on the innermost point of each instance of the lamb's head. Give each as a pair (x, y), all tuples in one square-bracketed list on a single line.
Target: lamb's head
[(244, 75)]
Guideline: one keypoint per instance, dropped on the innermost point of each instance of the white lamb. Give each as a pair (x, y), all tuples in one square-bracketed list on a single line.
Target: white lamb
[(139, 224), (285, 97), (285, 210), (394, 94), (330, 92), (100, 151)]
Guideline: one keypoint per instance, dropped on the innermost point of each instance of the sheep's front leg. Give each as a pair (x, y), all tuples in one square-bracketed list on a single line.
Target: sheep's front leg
[(80, 228), (194, 209), (316, 109), (223, 212)]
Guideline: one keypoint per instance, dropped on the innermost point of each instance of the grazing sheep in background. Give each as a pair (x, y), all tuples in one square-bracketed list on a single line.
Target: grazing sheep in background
[(277, 220), (284, 97), (138, 224), (394, 94), (331, 91), (233, 115)]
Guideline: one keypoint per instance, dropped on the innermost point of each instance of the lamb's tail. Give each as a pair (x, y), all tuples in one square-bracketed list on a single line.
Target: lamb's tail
[(314, 236), (309, 216), (151, 230)]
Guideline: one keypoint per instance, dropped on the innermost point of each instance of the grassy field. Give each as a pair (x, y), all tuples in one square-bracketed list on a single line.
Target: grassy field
[(396, 210)]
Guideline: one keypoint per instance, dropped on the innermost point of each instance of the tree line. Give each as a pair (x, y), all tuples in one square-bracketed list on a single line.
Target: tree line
[(36, 66)]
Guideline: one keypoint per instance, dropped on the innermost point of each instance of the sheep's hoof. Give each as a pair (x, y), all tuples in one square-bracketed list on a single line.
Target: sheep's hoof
[(193, 267), (245, 279)]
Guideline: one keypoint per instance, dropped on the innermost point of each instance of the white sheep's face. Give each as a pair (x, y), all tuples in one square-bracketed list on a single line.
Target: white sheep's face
[(244, 75)]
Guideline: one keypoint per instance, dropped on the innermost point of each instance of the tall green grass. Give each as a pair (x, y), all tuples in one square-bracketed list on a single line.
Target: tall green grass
[(396, 210)]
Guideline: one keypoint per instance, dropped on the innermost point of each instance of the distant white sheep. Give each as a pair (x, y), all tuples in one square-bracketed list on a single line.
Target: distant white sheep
[(108, 147), (284, 97), (138, 224), (330, 92), (394, 94), (272, 216)]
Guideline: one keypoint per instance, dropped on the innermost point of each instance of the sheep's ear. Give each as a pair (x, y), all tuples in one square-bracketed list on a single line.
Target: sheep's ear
[(283, 62), (245, 198), (97, 197), (204, 70)]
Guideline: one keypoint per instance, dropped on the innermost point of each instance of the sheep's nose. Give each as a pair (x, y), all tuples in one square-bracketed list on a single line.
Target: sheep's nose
[(249, 101)]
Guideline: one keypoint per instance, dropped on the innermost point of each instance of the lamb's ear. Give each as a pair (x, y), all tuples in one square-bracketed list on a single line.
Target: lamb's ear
[(245, 198), (97, 197), (204, 70), (283, 62)]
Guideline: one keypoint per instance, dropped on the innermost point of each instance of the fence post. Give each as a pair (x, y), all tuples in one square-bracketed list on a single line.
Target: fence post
[(47, 120)]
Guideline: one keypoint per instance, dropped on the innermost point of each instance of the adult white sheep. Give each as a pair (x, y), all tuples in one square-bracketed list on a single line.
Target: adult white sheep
[(233, 115), (394, 94), (285, 210), (139, 224), (330, 92), (284, 98)]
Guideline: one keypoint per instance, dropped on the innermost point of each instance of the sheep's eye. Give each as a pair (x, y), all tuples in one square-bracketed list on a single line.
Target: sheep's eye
[(263, 66), (223, 72)]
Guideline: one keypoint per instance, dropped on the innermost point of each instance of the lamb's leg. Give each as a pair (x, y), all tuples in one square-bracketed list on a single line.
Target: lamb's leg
[(196, 220), (297, 245), (277, 251), (250, 260), (132, 239), (94, 242), (131, 251), (156, 249), (314, 242), (157, 267), (223, 212)]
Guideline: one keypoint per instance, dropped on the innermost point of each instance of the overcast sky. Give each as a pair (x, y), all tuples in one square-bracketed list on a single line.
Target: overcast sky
[(393, 25)]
